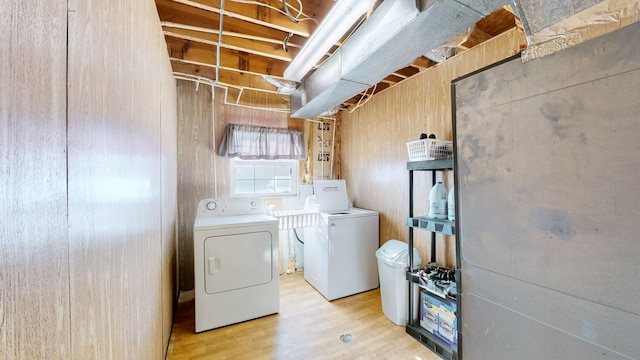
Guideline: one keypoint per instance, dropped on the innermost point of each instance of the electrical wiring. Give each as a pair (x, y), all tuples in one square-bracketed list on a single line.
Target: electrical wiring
[(365, 95), (300, 12), (286, 10), (219, 40), (297, 236), (213, 83), (259, 4), (286, 42)]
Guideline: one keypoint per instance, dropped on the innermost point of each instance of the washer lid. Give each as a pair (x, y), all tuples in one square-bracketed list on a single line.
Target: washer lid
[(331, 195), (350, 213)]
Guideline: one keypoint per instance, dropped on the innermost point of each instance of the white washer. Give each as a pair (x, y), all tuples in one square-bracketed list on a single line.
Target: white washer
[(340, 252), (235, 247)]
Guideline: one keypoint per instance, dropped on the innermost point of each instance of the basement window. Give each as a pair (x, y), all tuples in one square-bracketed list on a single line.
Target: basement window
[(264, 177)]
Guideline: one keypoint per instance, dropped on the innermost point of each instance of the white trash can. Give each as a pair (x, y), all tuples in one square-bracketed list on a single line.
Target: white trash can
[(393, 263)]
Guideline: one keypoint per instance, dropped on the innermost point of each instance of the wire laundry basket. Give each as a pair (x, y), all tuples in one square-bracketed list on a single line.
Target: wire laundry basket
[(430, 149)]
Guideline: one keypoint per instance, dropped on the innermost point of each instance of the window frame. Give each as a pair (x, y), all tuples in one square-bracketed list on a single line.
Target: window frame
[(294, 167)]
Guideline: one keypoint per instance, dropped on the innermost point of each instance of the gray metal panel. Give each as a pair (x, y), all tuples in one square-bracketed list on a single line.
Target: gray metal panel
[(496, 340), (540, 14), (598, 60), (559, 169), (552, 324), (476, 7), (431, 28), (323, 90), (373, 38), (326, 100), (547, 166)]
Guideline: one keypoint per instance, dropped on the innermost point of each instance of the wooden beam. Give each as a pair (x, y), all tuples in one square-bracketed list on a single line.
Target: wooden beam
[(195, 70), (170, 11), (392, 79), (476, 37), (406, 72), (269, 50), (205, 54), (499, 21), (381, 86), (227, 76), (245, 80), (403, 76), (256, 99), (423, 63), (255, 14), (168, 26)]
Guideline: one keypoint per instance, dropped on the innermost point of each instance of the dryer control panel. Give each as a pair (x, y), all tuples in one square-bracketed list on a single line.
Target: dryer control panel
[(230, 206)]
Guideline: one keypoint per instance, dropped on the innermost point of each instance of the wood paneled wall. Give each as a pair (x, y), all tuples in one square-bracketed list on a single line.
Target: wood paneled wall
[(87, 181), (196, 178), (373, 152), (34, 274), (169, 202), (116, 205), (202, 174)]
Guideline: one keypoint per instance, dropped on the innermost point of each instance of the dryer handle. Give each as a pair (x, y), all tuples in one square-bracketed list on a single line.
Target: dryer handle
[(214, 265)]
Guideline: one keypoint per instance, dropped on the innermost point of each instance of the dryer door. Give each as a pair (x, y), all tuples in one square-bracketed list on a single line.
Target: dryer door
[(237, 261)]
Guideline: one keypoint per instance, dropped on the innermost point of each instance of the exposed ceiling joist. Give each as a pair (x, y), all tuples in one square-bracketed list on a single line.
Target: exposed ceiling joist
[(228, 77), (245, 80), (230, 42), (253, 40), (229, 59), (252, 13), (422, 63), (172, 11), (168, 26)]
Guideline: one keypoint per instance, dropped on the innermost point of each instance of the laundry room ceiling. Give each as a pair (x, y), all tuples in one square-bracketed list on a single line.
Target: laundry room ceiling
[(245, 46)]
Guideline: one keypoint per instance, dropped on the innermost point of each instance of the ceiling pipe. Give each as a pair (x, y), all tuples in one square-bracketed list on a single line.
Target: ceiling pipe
[(219, 41)]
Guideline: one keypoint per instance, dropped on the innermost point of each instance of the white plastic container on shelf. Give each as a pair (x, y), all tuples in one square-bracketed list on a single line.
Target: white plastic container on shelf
[(451, 204), (393, 263), (438, 201), (430, 149)]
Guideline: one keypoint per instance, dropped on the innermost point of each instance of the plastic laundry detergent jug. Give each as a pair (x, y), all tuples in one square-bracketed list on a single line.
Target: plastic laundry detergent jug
[(451, 201), (438, 201)]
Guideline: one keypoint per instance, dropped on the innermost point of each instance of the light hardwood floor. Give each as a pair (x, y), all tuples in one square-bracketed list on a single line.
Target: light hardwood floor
[(307, 327)]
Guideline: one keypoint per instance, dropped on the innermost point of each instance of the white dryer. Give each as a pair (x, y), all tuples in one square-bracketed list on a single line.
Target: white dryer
[(340, 252), (235, 246)]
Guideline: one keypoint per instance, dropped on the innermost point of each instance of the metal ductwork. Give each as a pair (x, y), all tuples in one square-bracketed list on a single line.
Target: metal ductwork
[(396, 34), (538, 14)]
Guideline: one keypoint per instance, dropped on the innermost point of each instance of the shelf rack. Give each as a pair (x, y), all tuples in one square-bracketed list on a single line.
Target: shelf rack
[(437, 345)]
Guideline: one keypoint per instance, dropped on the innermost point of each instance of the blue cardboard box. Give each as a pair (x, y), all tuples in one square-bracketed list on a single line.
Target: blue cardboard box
[(438, 316)]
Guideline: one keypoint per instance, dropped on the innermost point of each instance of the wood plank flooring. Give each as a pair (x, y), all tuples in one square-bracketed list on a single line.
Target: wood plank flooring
[(307, 327)]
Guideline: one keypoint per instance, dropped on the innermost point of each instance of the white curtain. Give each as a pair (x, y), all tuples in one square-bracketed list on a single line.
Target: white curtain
[(251, 142)]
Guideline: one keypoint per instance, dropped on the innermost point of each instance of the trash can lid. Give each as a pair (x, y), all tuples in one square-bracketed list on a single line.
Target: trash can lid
[(396, 253)]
